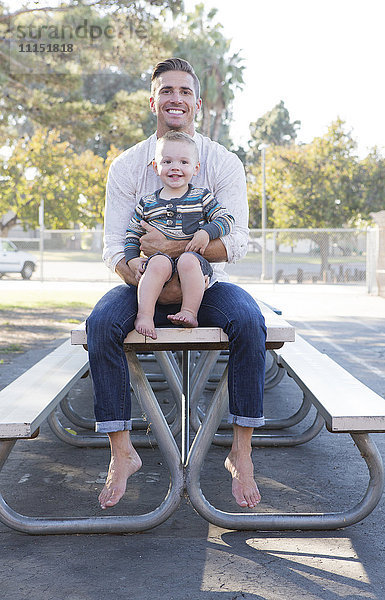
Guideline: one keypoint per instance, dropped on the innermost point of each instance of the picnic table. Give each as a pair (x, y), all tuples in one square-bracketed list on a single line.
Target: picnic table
[(312, 371)]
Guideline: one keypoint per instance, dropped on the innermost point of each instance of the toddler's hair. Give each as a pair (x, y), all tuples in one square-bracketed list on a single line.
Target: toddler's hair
[(177, 136)]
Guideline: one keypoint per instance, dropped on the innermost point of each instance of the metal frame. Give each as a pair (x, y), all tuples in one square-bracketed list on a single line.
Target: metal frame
[(200, 375), (112, 524), (187, 465), (276, 521), (140, 440)]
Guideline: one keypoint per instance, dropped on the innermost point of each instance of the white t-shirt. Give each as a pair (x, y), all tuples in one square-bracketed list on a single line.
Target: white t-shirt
[(132, 176)]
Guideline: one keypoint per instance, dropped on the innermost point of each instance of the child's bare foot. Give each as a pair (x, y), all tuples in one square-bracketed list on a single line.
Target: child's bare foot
[(184, 317), (145, 326)]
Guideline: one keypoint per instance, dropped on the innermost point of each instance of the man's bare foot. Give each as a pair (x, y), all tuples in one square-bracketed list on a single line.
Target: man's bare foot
[(145, 326), (244, 488), (122, 466), (184, 317)]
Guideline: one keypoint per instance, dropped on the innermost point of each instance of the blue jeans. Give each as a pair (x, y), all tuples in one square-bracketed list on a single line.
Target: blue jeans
[(223, 305)]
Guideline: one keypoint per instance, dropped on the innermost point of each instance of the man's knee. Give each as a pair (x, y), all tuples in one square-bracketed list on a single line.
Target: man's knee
[(111, 315), (250, 323)]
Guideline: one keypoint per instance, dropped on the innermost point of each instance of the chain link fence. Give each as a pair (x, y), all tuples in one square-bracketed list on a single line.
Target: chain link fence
[(275, 255), (309, 255)]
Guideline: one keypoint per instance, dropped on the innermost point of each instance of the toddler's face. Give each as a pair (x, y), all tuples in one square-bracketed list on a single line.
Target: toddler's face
[(176, 163)]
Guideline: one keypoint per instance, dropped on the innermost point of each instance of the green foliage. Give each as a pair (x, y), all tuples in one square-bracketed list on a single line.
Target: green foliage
[(64, 116), (78, 92), (273, 128), (312, 185), (220, 71), (371, 187), (43, 167)]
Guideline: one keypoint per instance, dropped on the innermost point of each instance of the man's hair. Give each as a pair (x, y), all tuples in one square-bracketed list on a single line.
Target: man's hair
[(175, 64), (177, 136)]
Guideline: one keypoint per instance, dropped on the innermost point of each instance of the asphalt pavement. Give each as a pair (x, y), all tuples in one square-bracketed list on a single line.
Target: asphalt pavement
[(186, 557)]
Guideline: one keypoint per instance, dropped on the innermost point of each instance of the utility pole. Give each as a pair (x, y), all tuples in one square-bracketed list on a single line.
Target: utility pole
[(264, 217), (41, 240)]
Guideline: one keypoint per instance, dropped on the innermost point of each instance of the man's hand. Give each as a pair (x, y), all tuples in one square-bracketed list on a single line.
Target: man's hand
[(199, 242), (154, 241), (137, 267), (125, 273)]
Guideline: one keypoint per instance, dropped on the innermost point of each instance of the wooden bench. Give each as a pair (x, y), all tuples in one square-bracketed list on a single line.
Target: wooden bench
[(210, 341), (318, 376), (26, 402), (48, 382), (346, 404)]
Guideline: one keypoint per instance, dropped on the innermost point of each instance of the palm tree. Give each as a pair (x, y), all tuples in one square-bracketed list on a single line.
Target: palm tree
[(220, 72)]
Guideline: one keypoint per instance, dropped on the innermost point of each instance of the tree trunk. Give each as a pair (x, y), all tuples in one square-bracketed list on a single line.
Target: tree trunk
[(217, 126), (7, 222), (206, 121), (323, 241)]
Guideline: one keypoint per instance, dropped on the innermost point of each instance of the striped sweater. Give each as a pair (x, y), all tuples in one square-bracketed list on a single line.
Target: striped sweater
[(177, 218)]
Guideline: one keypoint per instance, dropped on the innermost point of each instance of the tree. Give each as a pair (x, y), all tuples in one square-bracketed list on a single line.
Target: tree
[(74, 92), (43, 167), (370, 187), (310, 186), (219, 70), (273, 128)]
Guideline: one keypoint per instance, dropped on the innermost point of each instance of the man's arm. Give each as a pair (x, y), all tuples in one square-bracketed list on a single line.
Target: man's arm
[(119, 208), (154, 241), (227, 182), (215, 251), (125, 273)]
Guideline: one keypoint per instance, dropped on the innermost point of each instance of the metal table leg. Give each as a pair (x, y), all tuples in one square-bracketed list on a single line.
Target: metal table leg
[(113, 524), (185, 405), (276, 521)]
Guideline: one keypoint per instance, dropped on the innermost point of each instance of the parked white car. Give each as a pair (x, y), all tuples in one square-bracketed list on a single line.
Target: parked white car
[(13, 260)]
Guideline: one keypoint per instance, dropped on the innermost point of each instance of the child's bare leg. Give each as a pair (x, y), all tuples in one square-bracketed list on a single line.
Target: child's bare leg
[(151, 283), (192, 282)]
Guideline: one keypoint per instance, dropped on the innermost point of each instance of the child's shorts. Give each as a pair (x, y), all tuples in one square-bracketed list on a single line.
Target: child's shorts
[(205, 265)]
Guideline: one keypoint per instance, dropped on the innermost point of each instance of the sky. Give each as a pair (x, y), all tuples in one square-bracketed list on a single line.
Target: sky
[(324, 59)]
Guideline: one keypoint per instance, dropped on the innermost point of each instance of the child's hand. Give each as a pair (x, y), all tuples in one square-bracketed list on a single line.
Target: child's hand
[(137, 266), (199, 242)]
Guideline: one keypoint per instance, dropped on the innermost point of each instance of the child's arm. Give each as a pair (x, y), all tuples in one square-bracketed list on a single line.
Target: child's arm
[(134, 232), (219, 221)]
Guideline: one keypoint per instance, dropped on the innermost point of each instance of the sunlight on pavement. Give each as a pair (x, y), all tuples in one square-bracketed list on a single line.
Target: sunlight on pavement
[(307, 567)]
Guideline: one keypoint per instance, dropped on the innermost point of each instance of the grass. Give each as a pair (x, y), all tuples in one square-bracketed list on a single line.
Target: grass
[(68, 256), (74, 321), (11, 349), (50, 299)]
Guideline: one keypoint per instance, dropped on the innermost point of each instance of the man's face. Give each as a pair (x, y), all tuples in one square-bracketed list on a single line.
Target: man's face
[(174, 102)]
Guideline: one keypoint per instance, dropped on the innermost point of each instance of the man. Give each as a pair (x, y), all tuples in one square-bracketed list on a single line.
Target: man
[(175, 100)]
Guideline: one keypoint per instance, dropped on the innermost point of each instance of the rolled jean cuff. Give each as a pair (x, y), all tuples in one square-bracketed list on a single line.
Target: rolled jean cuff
[(111, 426), (246, 421)]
